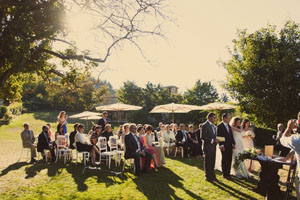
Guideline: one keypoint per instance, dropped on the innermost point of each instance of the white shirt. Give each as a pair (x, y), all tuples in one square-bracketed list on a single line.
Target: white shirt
[(137, 141), (184, 136), (80, 137), (214, 130), (293, 142), (227, 127)]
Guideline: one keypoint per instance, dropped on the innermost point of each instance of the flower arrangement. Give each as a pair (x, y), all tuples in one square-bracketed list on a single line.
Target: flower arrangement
[(250, 153)]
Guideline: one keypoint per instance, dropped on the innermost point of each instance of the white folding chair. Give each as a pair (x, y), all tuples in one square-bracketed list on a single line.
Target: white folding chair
[(61, 148), (85, 155), (178, 149), (131, 160), (107, 154), (45, 153), (28, 152), (153, 139)]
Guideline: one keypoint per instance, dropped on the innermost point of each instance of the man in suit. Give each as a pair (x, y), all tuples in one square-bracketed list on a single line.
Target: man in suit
[(182, 139), (134, 149), (209, 136), (107, 134), (104, 119), (28, 140), (224, 130), (199, 136), (44, 143), (72, 136)]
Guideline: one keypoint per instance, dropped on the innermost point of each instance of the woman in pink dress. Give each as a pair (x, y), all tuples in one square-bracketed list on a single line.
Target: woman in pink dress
[(151, 148)]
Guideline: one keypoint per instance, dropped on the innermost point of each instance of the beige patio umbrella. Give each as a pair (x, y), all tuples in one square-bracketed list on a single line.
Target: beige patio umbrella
[(118, 107), (217, 106), (85, 114), (174, 108)]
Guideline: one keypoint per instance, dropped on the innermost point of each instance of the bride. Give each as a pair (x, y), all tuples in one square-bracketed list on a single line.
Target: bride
[(240, 170)]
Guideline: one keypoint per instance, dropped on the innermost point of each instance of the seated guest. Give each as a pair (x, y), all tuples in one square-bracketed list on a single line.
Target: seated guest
[(49, 132), (83, 144), (45, 143), (168, 139), (182, 139), (174, 128), (134, 149), (126, 131), (193, 141), (92, 130), (199, 137), (72, 136), (96, 134), (60, 131), (159, 126), (120, 131), (107, 134), (28, 140), (283, 151)]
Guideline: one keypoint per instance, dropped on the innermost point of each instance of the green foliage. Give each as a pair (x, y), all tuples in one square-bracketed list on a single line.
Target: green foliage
[(250, 153), (58, 94), (153, 95), (26, 29), (264, 73), (5, 115), (263, 137)]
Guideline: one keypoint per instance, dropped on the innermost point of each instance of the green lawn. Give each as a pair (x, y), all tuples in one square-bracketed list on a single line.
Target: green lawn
[(179, 179)]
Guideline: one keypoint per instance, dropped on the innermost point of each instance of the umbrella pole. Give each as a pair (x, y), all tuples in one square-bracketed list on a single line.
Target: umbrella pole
[(119, 117), (173, 117)]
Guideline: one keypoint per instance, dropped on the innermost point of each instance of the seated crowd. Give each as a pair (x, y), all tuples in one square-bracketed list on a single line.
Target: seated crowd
[(137, 141)]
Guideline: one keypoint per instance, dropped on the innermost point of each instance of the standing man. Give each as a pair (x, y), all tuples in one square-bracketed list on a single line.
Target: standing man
[(28, 140), (209, 136), (104, 119), (224, 130)]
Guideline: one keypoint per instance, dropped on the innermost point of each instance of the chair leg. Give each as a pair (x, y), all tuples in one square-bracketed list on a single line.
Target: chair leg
[(65, 158), (84, 158), (175, 151), (76, 157), (46, 156), (182, 153), (109, 161), (124, 165)]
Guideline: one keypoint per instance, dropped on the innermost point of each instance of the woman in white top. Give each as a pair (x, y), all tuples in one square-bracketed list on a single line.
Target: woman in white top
[(83, 144), (240, 169), (168, 139)]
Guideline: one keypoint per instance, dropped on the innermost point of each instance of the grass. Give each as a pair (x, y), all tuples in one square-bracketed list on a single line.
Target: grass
[(179, 179)]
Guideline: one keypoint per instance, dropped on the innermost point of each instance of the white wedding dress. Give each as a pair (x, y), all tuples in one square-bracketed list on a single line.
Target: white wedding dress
[(240, 170)]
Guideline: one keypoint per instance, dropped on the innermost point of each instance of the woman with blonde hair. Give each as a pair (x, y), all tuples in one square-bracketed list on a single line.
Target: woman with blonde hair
[(62, 120)]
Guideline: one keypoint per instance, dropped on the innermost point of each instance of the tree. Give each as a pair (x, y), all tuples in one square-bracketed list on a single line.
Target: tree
[(202, 93), (264, 73), (29, 29)]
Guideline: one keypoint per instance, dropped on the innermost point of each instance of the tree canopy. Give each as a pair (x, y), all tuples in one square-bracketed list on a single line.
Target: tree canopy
[(264, 73), (30, 28)]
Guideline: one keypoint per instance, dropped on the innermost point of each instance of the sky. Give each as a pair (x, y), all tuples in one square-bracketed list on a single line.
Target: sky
[(194, 43)]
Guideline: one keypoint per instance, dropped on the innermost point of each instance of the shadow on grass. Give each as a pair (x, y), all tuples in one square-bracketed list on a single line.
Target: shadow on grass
[(13, 167), (76, 172), (164, 183), (192, 161)]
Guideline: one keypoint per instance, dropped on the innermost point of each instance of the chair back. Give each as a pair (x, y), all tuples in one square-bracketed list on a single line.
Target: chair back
[(102, 144), (61, 141), (113, 143)]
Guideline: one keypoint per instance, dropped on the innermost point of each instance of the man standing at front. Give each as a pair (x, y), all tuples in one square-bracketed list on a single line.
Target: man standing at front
[(28, 140), (226, 146), (210, 142), (103, 120)]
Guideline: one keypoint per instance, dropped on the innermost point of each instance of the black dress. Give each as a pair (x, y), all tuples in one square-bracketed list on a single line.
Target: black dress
[(193, 146)]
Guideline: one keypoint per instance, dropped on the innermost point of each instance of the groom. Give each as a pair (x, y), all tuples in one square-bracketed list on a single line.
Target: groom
[(224, 130)]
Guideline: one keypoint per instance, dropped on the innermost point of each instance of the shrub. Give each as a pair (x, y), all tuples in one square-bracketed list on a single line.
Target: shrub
[(16, 108), (5, 115), (264, 137)]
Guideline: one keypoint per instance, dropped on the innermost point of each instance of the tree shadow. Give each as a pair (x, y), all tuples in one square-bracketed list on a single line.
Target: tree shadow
[(106, 176), (164, 183), (13, 167)]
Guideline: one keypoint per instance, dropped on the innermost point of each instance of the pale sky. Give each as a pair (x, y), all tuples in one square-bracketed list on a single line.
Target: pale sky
[(194, 45)]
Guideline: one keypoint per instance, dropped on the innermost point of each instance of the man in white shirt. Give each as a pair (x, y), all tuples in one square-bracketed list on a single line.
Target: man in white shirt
[(293, 142)]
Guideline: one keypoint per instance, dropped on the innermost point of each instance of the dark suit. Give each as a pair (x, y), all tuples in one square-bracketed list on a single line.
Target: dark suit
[(131, 151), (102, 122), (199, 136), (208, 135), (72, 139), (229, 142), (179, 137), (44, 143)]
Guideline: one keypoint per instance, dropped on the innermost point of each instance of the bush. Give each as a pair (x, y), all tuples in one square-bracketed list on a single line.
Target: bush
[(264, 137), (16, 108), (5, 115)]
